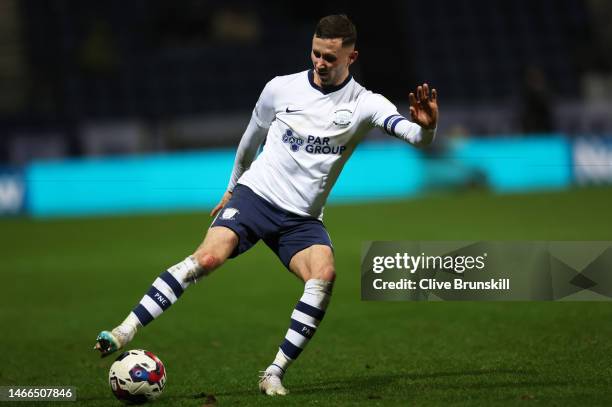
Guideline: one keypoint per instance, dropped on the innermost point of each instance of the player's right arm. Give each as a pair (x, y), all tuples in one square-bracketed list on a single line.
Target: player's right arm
[(226, 197), (254, 135)]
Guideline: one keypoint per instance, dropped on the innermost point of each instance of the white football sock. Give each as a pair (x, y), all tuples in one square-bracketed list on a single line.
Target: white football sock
[(305, 319)]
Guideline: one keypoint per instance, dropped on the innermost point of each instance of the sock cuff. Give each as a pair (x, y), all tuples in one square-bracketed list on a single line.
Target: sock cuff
[(193, 261), (317, 293), (317, 285), (186, 272)]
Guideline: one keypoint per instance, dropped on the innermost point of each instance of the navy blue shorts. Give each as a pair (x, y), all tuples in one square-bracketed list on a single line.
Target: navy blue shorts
[(252, 218)]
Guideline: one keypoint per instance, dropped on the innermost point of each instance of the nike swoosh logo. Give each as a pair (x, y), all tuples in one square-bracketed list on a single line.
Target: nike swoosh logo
[(292, 111)]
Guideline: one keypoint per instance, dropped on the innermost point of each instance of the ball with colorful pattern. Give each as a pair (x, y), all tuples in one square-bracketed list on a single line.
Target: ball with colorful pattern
[(137, 376)]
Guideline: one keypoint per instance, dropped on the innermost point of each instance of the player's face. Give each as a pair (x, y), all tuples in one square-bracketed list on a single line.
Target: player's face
[(331, 60)]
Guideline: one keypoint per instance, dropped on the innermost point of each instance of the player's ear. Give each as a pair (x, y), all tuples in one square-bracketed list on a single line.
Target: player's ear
[(353, 56)]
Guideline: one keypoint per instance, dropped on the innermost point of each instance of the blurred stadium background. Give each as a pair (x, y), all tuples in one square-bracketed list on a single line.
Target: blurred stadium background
[(110, 107)]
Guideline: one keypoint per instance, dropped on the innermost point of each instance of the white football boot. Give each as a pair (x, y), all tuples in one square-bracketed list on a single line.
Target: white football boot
[(270, 382)]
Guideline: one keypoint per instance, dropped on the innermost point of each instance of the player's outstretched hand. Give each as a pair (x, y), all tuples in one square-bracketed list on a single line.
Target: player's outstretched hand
[(423, 108), (226, 197)]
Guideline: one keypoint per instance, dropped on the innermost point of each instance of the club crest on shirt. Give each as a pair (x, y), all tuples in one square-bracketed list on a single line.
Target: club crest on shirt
[(342, 117), (294, 141), (229, 213)]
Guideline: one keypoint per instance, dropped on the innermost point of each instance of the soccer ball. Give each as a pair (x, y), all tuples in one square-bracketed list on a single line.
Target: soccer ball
[(137, 376)]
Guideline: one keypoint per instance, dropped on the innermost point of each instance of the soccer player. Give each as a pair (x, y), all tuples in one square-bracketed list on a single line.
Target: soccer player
[(311, 122)]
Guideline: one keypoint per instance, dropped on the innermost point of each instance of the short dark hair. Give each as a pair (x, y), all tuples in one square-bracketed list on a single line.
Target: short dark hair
[(337, 26)]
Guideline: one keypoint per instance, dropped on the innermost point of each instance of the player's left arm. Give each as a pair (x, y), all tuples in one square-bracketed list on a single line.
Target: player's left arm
[(424, 108), (421, 130)]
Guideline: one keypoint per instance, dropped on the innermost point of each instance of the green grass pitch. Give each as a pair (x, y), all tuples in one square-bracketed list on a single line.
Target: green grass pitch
[(65, 280)]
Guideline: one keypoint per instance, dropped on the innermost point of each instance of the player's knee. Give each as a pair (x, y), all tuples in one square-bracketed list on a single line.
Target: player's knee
[(207, 261), (327, 273)]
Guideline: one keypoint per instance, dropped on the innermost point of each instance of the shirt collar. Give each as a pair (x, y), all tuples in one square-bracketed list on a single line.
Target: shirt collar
[(327, 89)]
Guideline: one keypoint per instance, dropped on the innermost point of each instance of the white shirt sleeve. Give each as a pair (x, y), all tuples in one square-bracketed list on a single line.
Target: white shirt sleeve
[(384, 115), (251, 140), (255, 133), (265, 112)]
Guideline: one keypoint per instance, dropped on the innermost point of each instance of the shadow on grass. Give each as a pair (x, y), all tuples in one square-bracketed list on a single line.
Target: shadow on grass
[(367, 386)]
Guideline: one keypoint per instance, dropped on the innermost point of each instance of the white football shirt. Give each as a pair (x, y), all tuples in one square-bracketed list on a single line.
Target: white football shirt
[(310, 132)]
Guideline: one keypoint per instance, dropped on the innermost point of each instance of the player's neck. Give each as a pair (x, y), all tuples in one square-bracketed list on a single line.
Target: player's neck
[(317, 80)]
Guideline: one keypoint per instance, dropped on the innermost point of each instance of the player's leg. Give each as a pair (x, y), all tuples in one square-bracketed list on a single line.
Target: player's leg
[(219, 243), (315, 266)]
